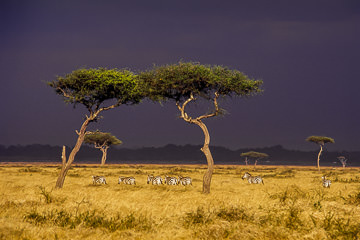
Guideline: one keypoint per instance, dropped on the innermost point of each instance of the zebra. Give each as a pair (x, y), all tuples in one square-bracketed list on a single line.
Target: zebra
[(325, 182), (127, 180), (185, 180), (251, 179), (154, 180), (99, 179), (170, 180)]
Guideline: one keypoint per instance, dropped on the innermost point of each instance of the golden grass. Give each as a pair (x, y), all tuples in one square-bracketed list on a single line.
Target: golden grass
[(291, 205)]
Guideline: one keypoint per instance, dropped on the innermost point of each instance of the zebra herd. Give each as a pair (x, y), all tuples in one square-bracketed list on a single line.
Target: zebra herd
[(158, 180), (257, 180), (154, 180)]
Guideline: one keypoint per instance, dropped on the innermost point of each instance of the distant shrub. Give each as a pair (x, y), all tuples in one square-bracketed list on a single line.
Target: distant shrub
[(30, 169), (74, 175), (347, 180), (288, 173)]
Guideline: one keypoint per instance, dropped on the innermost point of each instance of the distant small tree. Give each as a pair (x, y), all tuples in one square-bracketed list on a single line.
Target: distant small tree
[(254, 155), (343, 160), (98, 90), (321, 140), (101, 141)]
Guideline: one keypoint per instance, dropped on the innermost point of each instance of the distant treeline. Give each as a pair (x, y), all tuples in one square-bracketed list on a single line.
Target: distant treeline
[(187, 154)]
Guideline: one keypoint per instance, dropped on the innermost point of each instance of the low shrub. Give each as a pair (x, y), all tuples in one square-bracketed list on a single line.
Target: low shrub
[(89, 219)]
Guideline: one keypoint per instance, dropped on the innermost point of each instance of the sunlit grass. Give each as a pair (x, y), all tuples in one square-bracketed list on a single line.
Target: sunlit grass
[(291, 205)]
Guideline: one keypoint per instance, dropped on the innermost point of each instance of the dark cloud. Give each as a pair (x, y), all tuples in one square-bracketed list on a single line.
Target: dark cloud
[(305, 51)]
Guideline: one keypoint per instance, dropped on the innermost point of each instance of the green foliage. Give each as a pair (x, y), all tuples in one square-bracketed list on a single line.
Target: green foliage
[(253, 154), (320, 139), (180, 81), (99, 138), (91, 87)]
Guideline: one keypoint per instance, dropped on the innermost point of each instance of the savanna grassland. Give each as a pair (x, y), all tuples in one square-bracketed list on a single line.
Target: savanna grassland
[(292, 204)]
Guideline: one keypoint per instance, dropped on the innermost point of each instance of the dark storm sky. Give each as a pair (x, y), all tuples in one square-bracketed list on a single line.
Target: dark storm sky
[(306, 52)]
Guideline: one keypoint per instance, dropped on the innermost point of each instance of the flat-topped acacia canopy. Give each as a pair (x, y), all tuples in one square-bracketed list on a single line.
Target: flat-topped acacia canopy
[(320, 139), (92, 87), (181, 81), (253, 154)]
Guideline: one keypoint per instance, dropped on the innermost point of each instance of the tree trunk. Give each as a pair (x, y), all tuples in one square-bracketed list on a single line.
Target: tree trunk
[(318, 159), (246, 161), (66, 164), (255, 164), (210, 161), (103, 158)]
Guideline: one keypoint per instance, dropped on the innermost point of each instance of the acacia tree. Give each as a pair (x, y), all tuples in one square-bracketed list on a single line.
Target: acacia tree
[(254, 155), (188, 82), (102, 141), (98, 90), (321, 140), (343, 160)]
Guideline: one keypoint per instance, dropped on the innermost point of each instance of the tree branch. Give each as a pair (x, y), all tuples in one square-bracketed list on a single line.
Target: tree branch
[(215, 113), (104, 145), (182, 108), (64, 93), (109, 107)]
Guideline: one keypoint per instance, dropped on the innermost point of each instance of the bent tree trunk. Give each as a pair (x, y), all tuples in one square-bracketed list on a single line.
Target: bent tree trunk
[(210, 161), (66, 163), (103, 158), (318, 159)]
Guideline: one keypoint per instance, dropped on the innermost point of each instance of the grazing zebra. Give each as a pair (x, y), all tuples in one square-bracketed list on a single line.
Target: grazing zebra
[(127, 180), (251, 179), (170, 180), (99, 179), (325, 182), (185, 180), (154, 180)]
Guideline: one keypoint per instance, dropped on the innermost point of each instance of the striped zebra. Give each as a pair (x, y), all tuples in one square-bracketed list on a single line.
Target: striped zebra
[(251, 179), (154, 180), (99, 179), (170, 180), (325, 182), (127, 180), (185, 180)]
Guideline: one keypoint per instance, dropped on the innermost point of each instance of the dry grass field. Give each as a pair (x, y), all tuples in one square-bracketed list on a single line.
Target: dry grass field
[(292, 204)]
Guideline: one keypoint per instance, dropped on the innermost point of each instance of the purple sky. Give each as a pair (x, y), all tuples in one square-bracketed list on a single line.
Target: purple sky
[(307, 53)]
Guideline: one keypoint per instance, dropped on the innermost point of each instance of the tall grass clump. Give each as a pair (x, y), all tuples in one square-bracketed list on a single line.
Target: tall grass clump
[(46, 194), (89, 219), (199, 217)]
